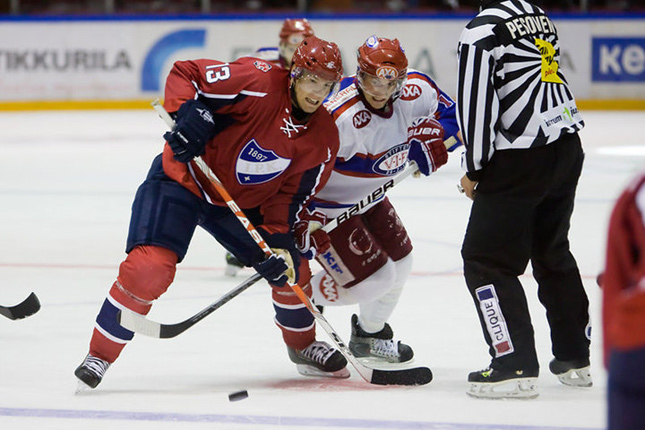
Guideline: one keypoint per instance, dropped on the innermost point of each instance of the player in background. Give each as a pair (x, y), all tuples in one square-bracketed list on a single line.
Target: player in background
[(262, 132), (292, 33), (386, 115), (623, 310)]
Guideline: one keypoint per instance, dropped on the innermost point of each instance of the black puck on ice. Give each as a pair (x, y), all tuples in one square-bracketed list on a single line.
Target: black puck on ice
[(238, 395)]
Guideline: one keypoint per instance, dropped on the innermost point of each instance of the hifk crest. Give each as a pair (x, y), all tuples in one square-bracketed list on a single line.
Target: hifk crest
[(393, 161), (256, 165)]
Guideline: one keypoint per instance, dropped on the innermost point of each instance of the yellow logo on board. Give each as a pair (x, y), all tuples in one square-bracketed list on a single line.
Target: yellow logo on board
[(549, 65)]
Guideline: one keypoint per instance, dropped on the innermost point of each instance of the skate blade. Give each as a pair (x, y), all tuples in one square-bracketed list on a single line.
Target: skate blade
[(577, 377), (307, 370), (521, 388)]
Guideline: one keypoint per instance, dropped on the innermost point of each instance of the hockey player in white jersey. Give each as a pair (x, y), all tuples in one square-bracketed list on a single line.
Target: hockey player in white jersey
[(386, 114)]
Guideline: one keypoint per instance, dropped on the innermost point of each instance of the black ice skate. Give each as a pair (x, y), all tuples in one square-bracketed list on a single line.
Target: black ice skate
[(503, 384), (378, 346), (575, 373), (233, 265), (319, 359), (91, 371)]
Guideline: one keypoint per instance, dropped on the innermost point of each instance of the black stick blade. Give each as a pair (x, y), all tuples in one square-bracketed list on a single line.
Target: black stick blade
[(415, 376), (27, 307)]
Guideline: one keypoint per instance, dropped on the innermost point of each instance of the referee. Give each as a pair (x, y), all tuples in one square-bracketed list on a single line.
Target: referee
[(523, 158)]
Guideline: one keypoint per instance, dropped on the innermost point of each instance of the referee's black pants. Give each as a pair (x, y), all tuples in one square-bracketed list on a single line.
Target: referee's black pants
[(521, 212)]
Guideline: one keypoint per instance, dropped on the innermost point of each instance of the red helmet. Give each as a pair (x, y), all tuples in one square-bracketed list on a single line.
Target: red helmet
[(295, 26), (320, 57), (383, 58)]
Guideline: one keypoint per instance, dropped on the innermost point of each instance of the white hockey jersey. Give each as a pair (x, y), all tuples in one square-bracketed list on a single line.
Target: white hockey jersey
[(374, 146)]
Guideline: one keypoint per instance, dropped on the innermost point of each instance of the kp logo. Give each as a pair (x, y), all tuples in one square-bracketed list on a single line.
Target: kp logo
[(256, 165), (411, 92), (362, 118)]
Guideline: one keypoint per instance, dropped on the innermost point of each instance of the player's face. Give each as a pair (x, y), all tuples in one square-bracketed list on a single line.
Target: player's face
[(311, 91), (378, 90), (288, 47)]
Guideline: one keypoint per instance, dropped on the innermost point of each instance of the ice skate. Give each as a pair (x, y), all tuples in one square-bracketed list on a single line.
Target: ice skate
[(503, 384), (233, 265), (319, 359), (574, 373), (378, 346), (91, 371)]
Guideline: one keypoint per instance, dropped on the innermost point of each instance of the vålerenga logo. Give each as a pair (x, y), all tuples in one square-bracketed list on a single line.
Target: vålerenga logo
[(256, 165), (163, 50)]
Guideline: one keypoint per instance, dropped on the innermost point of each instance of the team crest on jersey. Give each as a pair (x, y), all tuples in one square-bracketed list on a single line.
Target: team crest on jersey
[(393, 161), (261, 65), (411, 92), (361, 118), (256, 165)]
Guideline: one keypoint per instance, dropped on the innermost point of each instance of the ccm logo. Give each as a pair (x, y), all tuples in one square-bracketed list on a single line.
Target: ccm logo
[(411, 92), (362, 118)]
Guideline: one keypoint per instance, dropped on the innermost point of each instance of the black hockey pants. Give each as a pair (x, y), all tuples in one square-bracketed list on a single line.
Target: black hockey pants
[(521, 212)]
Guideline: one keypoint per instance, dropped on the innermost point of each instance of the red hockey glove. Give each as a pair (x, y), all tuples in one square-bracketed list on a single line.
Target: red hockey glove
[(425, 137), (311, 239)]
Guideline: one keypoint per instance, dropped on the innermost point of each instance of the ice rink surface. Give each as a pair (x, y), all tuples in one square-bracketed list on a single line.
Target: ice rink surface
[(67, 180)]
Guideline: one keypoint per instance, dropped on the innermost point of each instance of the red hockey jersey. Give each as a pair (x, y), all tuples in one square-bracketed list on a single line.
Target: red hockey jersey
[(624, 277), (263, 156)]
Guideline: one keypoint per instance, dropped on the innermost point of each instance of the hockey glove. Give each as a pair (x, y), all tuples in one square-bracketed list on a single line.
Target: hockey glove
[(311, 240), (425, 137), (284, 264), (195, 126)]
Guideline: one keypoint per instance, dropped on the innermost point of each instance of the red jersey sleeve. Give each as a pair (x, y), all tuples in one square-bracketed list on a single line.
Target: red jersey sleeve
[(624, 277)]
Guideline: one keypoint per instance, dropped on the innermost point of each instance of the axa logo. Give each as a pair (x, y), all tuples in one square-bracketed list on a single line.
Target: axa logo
[(411, 92), (256, 165), (361, 118), (163, 50), (393, 161), (386, 72)]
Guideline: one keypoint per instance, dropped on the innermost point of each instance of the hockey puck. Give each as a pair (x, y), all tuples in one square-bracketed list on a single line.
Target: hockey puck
[(238, 395)]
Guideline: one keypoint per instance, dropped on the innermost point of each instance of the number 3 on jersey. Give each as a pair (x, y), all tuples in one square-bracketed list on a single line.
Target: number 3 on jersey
[(218, 72)]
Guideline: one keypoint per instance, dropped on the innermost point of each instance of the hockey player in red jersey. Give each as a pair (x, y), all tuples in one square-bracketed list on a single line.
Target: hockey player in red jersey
[(262, 132), (623, 287), (386, 115), (293, 31)]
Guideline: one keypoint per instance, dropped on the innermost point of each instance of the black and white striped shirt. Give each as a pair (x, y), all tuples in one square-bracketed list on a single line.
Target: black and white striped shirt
[(511, 93)]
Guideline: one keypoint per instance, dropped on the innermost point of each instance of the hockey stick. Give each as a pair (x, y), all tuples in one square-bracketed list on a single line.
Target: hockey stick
[(140, 324), (27, 307), (411, 169), (413, 376)]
